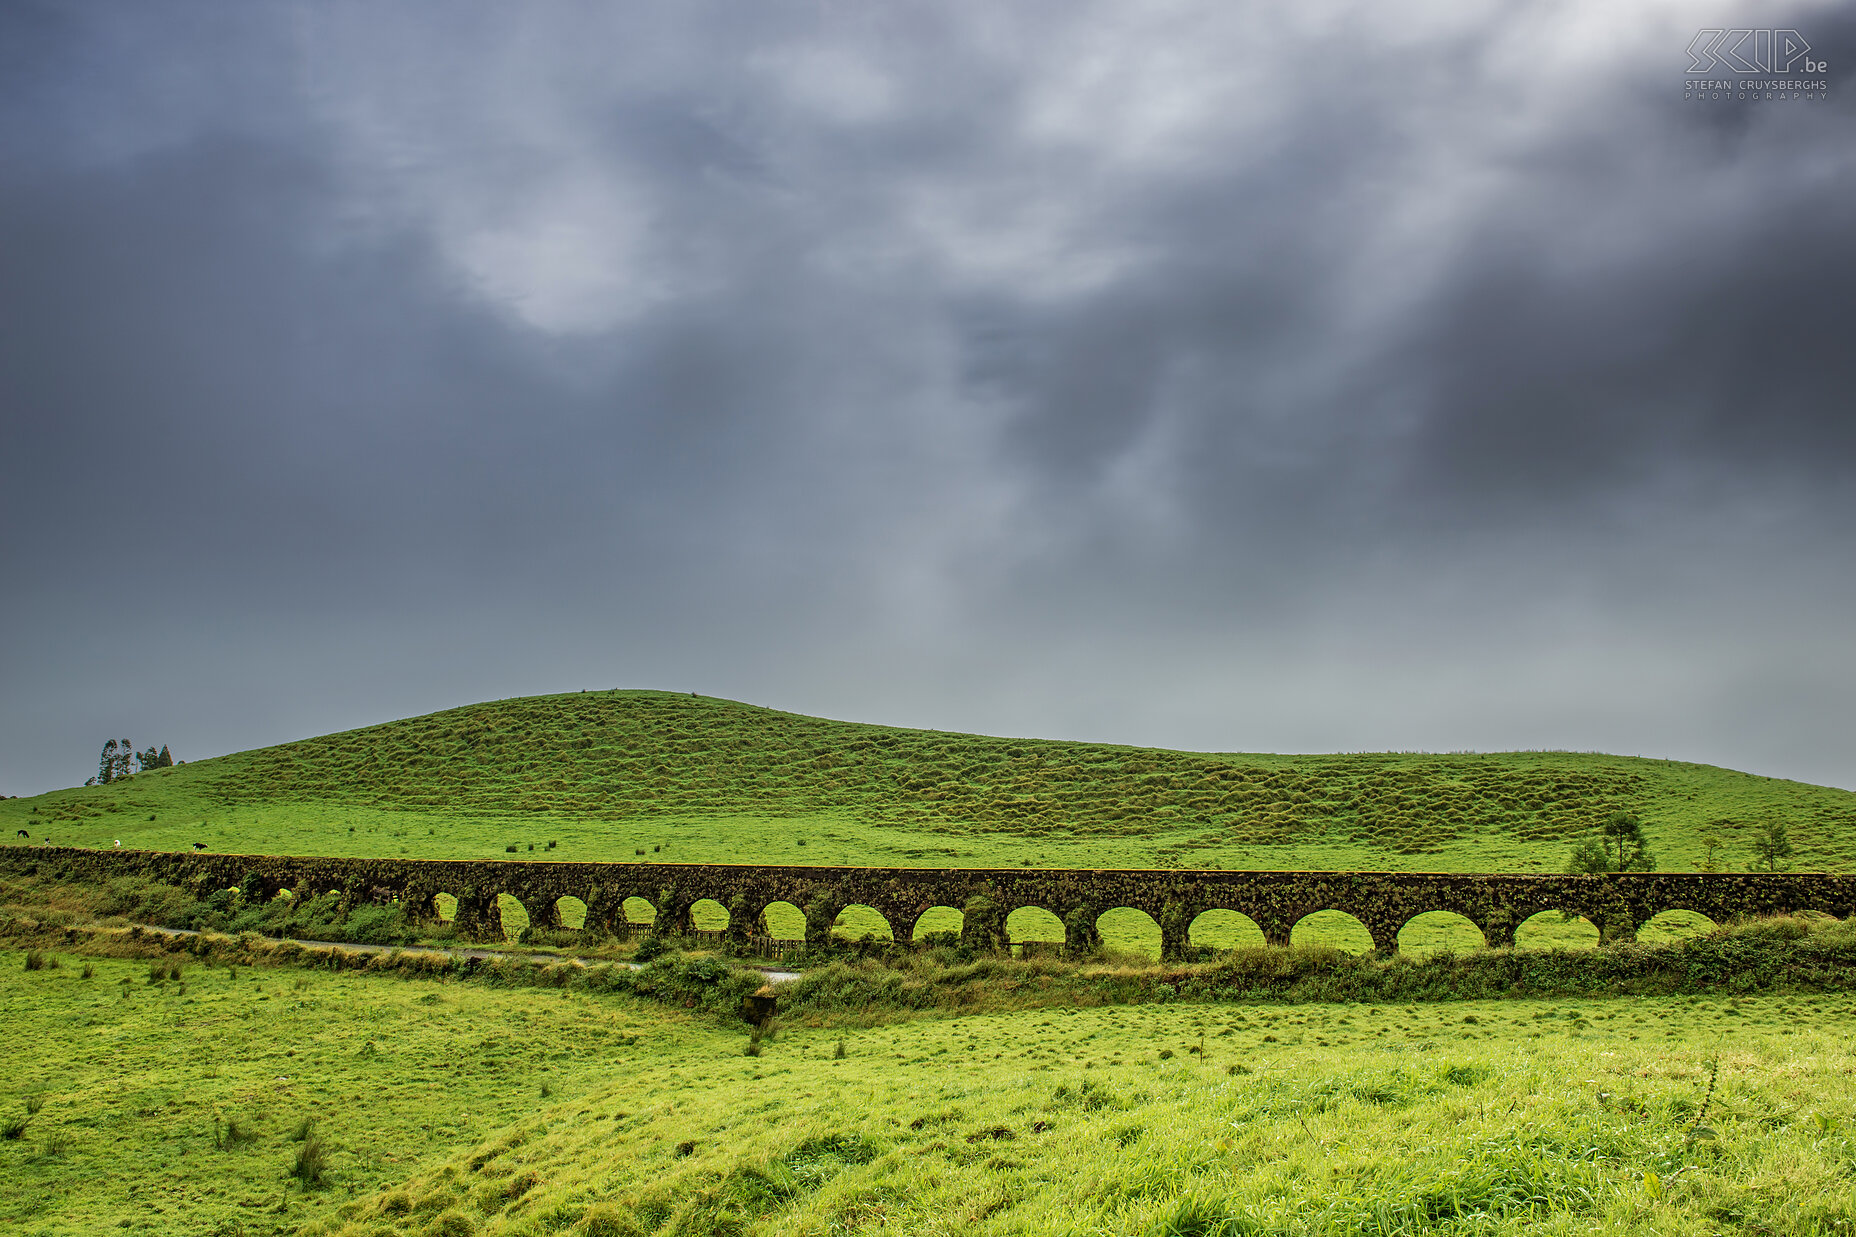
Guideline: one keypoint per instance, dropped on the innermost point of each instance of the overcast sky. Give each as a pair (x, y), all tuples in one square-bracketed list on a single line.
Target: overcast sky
[(1243, 377)]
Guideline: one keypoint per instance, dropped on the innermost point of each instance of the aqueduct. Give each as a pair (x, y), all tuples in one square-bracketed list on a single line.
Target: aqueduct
[(1383, 902)]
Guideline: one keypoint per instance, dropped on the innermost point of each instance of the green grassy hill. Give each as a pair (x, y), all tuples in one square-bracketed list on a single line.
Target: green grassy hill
[(467, 1108), (611, 775)]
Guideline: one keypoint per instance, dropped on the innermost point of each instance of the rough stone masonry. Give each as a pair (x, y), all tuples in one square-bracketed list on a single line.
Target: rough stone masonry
[(1382, 901)]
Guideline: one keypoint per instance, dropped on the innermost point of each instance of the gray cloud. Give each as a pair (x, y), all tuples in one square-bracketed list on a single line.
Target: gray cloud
[(1406, 380)]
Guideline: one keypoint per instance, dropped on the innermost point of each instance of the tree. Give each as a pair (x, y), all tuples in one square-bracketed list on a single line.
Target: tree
[(1620, 847), (1590, 858), (151, 759), (118, 756), (1713, 837), (1773, 844), (1624, 832)]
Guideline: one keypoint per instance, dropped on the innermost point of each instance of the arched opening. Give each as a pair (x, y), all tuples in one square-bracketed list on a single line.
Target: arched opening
[(1034, 932), (1125, 930), (857, 921), (708, 915), (1668, 927), (638, 910), (784, 921), (1331, 929), (1555, 930), (1222, 929), (570, 912), (514, 916), (944, 920), (444, 905), (1437, 932)]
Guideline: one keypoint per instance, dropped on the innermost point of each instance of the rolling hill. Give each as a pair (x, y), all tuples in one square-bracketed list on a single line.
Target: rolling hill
[(615, 775)]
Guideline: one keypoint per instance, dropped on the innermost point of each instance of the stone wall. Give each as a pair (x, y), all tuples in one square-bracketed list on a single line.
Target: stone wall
[(1383, 901)]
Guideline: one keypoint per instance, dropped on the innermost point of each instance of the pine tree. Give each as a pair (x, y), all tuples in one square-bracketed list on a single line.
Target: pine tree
[(106, 764), (1773, 844), (1621, 847), (164, 760)]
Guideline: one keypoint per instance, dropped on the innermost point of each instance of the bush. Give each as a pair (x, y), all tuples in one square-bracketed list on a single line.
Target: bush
[(35, 961), (311, 1164)]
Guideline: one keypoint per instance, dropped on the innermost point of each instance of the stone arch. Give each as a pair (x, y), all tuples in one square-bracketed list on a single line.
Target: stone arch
[(859, 920), (1219, 928), (1439, 932), (1675, 924), (708, 915), (938, 919), (1333, 929), (637, 910), (570, 913), (1553, 930), (1129, 930), (1035, 927), (783, 921)]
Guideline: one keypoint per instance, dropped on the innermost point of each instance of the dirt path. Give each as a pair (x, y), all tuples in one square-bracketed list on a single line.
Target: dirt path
[(774, 976)]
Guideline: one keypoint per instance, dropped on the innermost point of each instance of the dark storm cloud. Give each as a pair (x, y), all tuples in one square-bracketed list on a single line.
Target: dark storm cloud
[(1427, 379)]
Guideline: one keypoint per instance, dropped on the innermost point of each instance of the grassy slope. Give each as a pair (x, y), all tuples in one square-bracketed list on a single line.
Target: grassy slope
[(1339, 1118), (609, 774), (396, 1076)]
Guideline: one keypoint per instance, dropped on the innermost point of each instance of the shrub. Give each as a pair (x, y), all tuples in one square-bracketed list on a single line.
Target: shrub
[(35, 961), (311, 1163), (13, 1128)]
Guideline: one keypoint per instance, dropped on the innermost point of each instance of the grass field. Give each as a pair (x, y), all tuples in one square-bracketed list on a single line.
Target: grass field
[(453, 1108), (657, 776)]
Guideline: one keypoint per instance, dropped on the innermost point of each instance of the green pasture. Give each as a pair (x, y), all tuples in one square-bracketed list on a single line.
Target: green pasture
[(128, 1078), (457, 1108), (658, 777)]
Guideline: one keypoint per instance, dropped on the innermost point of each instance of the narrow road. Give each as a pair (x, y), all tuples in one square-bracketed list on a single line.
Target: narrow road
[(773, 975)]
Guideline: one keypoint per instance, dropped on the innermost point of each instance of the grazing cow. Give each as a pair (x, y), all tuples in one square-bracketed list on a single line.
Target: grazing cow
[(199, 846), (24, 834)]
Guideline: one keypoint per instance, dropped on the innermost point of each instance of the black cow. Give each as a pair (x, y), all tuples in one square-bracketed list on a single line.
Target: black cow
[(199, 846), (24, 834)]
